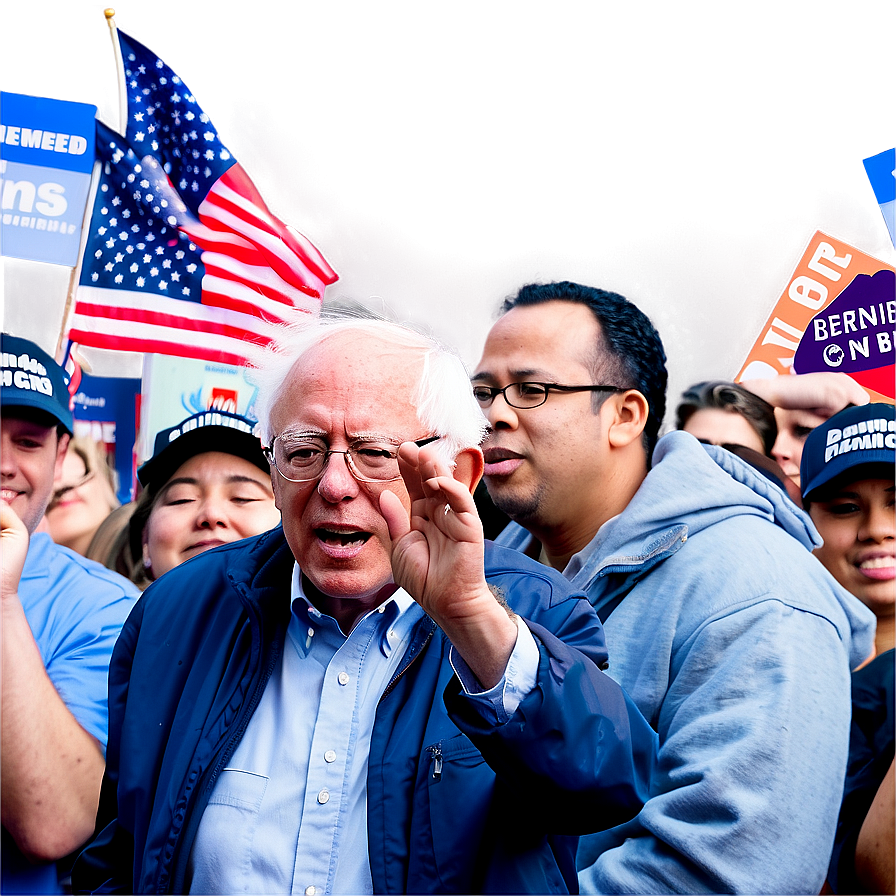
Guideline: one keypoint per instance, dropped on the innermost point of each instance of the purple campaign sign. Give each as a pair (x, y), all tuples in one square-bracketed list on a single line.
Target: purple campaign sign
[(855, 332)]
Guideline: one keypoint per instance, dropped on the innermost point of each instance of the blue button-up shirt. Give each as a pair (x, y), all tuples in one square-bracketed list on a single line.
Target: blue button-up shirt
[(289, 813)]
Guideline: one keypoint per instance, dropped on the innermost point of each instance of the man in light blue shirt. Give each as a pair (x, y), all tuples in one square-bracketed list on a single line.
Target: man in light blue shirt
[(369, 699), (59, 616)]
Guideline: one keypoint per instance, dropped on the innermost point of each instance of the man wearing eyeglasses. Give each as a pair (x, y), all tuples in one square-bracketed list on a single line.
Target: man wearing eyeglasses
[(727, 633), (284, 711), (59, 617)]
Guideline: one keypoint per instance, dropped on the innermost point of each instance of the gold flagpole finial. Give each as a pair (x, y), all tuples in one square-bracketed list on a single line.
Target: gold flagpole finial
[(109, 13)]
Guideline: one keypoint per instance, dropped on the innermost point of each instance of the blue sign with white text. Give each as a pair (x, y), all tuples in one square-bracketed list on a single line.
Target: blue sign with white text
[(47, 151)]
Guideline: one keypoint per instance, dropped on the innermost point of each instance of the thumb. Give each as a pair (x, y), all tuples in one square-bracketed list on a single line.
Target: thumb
[(397, 518)]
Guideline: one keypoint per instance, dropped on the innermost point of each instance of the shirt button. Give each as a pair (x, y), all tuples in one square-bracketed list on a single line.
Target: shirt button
[(310, 891), (330, 755), (310, 632), (343, 678), (323, 797)]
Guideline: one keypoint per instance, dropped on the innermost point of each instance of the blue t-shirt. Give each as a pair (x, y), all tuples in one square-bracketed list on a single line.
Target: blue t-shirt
[(76, 609)]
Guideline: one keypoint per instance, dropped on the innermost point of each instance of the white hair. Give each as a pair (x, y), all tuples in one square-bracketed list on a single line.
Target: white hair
[(443, 397)]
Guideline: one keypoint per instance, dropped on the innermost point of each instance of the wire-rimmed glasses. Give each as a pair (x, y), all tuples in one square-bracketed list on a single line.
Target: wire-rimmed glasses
[(530, 395), (299, 457)]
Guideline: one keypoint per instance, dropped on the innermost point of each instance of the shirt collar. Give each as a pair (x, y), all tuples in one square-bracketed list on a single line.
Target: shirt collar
[(399, 608)]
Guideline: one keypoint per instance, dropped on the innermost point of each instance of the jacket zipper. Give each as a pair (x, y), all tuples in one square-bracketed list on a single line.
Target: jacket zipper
[(436, 752), (410, 663)]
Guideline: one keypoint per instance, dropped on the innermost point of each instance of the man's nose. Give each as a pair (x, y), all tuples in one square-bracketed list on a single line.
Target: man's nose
[(500, 414), (7, 457), (337, 482)]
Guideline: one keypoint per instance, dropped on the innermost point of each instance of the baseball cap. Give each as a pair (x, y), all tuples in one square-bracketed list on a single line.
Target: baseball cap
[(205, 431), (30, 378), (852, 438)]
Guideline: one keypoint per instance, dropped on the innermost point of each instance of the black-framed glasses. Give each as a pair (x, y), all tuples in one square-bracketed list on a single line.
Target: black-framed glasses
[(530, 395), (300, 457)]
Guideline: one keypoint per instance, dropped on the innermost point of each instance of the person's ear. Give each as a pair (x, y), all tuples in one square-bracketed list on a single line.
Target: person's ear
[(629, 417), (468, 468)]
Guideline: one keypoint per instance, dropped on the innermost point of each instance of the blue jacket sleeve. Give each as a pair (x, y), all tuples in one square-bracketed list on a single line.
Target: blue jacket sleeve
[(576, 743)]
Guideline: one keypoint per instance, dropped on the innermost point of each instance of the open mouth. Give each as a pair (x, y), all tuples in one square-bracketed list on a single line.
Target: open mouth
[(881, 568), (342, 539)]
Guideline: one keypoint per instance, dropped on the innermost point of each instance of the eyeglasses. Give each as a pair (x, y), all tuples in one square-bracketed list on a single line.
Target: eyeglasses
[(60, 493), (301, 458), (530, 395)]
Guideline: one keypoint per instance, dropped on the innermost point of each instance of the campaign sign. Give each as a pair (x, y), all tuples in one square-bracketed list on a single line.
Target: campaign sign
[(176, 388), (105, 409), (838, 314), (46, 159), (881, 171)]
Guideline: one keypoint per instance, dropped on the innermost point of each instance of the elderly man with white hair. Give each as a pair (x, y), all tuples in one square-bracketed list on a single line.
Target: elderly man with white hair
[(370, 698)]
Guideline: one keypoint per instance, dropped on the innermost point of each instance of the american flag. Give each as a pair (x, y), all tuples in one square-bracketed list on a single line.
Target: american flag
[(183, 255)]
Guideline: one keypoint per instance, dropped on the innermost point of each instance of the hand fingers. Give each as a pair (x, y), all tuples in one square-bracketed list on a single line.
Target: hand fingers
[(395, 515)]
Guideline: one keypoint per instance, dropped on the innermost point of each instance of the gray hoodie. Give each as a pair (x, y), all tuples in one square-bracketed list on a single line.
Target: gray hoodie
[(736, 645)]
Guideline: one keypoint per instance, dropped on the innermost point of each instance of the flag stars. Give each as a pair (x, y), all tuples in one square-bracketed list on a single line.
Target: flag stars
[(175, 276), (109, 266), (163, 284), (118, 278), (186, 290), (153, 272), (110, 243), (138, 116), (119, 257), (166, 263), (141, 281), (175, 97), (160, 250)]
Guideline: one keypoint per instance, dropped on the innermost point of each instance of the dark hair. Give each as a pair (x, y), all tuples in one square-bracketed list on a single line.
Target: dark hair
[(630, 349), (733, 398)]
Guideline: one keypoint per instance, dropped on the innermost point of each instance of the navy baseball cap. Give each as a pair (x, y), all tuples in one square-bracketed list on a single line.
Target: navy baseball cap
[(205, 431), (30, 378), (852, 438)]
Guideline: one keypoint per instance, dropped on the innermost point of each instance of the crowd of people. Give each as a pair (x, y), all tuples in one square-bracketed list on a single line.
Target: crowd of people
[(403, 635)]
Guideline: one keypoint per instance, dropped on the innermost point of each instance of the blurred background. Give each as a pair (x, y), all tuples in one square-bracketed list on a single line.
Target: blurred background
[(441, 155)]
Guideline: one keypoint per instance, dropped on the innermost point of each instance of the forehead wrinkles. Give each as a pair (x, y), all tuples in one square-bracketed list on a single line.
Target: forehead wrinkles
[(358, 382)]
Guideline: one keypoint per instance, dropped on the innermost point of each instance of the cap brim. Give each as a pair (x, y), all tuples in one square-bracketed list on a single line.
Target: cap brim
[(22, 399), (159, 469)]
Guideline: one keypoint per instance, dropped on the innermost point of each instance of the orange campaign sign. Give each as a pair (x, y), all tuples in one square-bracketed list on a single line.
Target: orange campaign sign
[(838, 313)]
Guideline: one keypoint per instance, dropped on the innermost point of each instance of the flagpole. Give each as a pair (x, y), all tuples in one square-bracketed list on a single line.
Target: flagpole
[(119, 64), (75, 275)]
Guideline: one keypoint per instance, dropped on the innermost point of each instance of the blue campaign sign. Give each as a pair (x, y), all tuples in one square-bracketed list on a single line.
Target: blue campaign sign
[(47, 133), (881, 171), (106, 410), (46, 159)]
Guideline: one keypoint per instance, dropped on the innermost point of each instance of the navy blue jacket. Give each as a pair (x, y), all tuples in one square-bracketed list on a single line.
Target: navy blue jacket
[(194, 658)]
